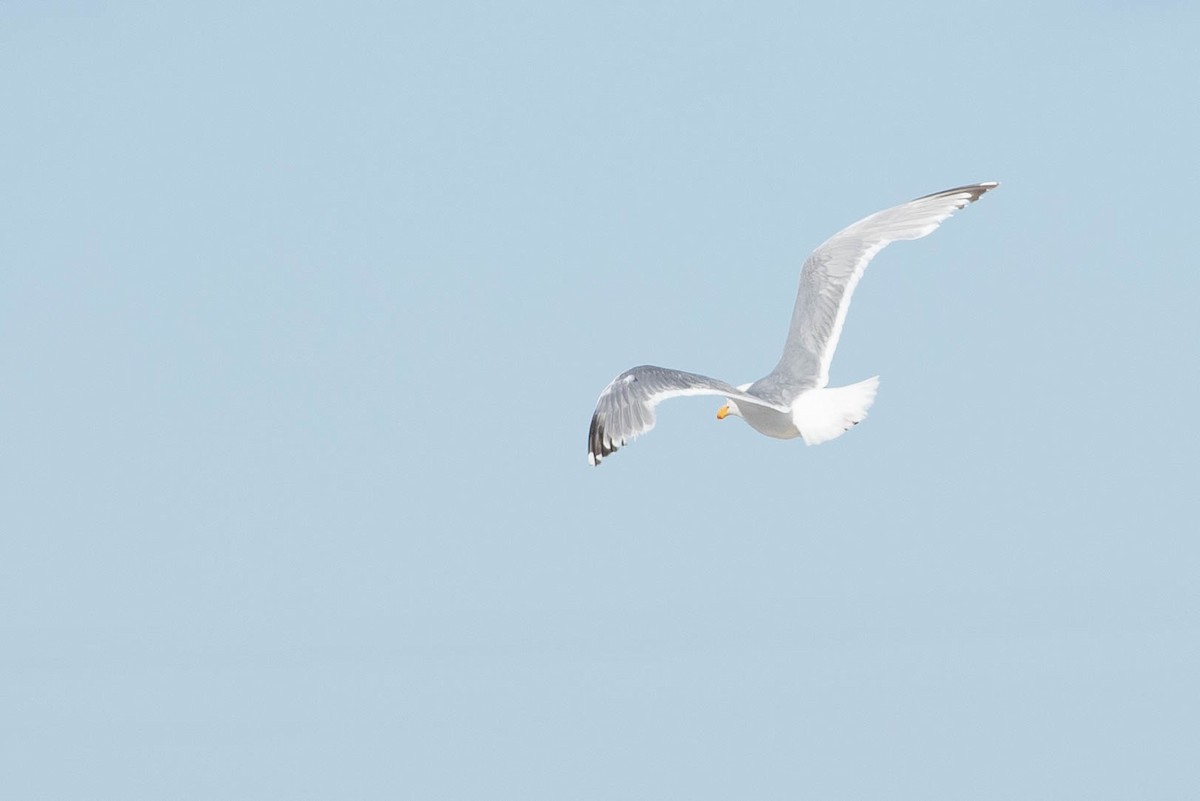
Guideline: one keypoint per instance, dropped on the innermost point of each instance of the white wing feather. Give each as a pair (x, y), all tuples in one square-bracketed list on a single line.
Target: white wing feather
[(830, 274), (625, 409)]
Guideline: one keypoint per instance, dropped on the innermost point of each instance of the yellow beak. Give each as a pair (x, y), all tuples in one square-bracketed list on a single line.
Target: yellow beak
[(723, 412)]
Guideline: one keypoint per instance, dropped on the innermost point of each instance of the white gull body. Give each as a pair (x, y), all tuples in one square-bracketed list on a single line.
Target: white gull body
[(793, 400)]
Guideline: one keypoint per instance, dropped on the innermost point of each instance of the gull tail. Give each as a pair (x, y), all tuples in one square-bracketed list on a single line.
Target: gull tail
[(825, 414)]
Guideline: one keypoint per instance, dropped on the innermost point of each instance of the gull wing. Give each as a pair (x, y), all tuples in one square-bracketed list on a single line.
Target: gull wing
[(830, 274), (625, 409)]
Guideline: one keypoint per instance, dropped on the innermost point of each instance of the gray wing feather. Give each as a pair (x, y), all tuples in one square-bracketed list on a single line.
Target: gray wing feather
[(830, 274), (625, 409)]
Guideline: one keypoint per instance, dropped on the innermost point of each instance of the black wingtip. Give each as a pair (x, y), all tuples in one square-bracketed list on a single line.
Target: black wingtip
[(973, 191), (599, 446)]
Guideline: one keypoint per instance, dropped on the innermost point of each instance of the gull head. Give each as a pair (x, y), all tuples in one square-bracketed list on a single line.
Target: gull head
[(729, 408)]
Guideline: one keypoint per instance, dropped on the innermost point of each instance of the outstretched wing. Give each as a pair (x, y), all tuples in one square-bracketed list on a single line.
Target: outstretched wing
[(625, 409), (830, 274)]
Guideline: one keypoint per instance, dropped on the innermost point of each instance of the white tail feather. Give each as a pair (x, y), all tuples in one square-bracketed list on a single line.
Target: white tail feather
[(825, 414)]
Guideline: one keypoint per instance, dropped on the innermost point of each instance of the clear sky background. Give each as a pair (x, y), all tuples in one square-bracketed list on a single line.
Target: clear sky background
[(304, 309)]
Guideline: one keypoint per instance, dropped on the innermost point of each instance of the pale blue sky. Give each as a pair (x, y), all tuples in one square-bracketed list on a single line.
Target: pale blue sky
[(304, 309)]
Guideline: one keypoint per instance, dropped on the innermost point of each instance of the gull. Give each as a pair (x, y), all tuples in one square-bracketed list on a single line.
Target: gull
[(793, 400)]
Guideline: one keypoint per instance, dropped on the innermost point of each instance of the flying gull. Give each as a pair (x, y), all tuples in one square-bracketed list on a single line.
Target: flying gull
[(792, 400)]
